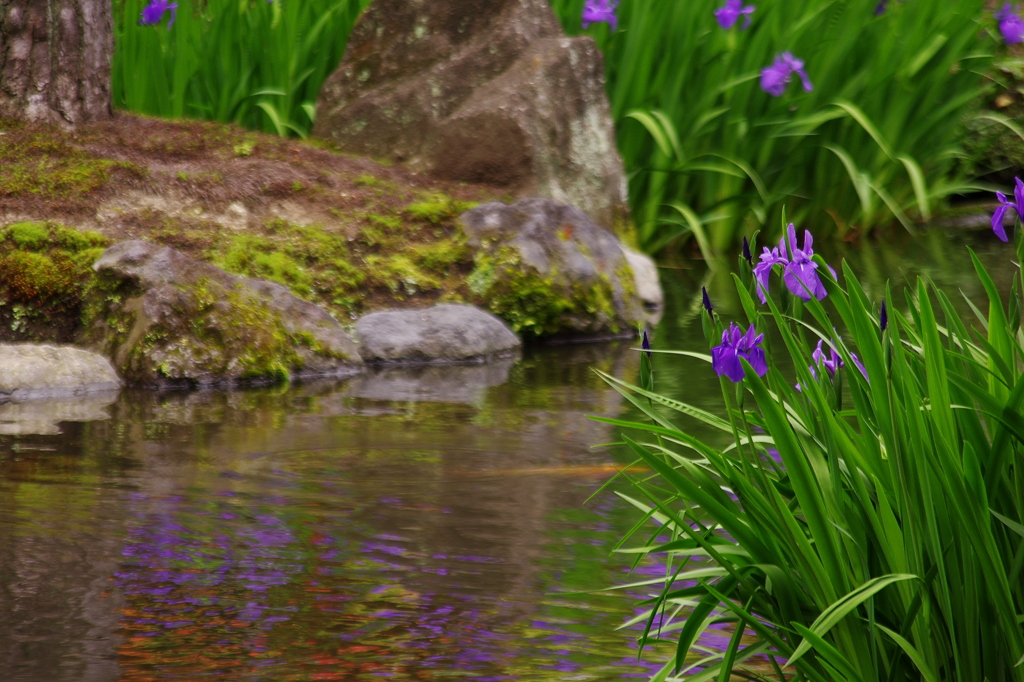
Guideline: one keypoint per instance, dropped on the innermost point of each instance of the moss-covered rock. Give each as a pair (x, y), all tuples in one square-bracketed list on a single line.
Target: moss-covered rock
[(165, 318), (45, 269), (548, 270)]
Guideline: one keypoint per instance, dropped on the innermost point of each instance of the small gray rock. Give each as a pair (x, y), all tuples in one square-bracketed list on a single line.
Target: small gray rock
[(33, 372), (443, 333)]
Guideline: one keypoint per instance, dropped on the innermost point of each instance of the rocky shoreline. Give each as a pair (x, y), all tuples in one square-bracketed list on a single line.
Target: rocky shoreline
[(156, 317)]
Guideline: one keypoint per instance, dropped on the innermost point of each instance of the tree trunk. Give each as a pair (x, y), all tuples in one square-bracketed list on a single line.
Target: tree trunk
[(55, 60)]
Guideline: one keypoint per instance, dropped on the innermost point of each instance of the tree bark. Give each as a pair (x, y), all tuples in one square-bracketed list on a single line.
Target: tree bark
[(55, 60)]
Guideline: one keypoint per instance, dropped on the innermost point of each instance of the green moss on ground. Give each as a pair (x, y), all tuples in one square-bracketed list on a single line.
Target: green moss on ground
[(42, 166), (437, 209), (45, 270), (413, 253)]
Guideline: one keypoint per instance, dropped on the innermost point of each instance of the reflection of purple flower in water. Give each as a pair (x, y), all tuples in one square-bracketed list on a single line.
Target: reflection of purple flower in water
[(273, 532), (167, 564)]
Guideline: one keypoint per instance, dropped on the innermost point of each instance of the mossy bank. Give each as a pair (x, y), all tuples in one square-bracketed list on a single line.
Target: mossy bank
[(347, 233)]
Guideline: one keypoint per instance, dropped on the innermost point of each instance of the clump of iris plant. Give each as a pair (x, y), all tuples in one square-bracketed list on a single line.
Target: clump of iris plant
[(799, 271), (597, 11), (776, 77), (725, 359), (1010, 24), (1017, 205), (153, 13), (731, 12)]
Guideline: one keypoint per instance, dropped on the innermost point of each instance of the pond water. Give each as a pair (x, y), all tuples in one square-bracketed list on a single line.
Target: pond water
[(409, 524)]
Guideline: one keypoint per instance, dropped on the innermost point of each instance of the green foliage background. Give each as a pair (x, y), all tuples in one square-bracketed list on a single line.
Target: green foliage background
[(709, 154), (252, 62)]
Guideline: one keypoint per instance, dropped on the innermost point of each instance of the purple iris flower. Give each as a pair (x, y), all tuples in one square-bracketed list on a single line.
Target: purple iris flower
[(800, 272), (883, 318), (706, 300), (1010, 24), (645, 344), (596, 11), (800, 275), (725, 359), (776, 77), (763, 270), (860, 366), (746, 251), (153, 13), (732, 11), (832, 363), (1017, 205)]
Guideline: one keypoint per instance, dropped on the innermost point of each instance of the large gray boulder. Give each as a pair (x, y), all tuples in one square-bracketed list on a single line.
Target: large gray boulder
[(33, 372), (486, 91), (164, 318), (442, 333), (549, 270)]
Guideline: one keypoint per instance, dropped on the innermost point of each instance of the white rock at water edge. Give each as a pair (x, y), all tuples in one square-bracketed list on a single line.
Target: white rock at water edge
[(645, 277), (32, 372)]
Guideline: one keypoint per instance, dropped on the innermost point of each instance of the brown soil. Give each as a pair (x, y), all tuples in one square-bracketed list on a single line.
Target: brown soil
[(133, 161)]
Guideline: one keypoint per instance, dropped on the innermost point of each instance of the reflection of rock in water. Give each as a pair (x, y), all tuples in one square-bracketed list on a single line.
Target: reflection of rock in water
[(58, 614), (432, 383), (44, 416)]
